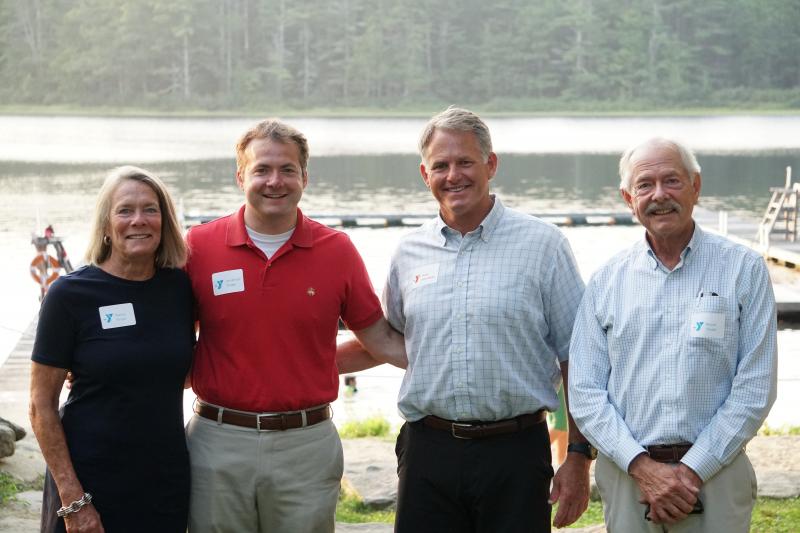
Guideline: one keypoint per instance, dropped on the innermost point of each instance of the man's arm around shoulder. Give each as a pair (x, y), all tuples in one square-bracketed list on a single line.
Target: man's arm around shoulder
[(373, 345)]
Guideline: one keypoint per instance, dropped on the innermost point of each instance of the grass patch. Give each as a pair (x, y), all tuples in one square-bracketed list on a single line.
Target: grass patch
[(772, 515), (375, 426), (353, 511), (591, 517), (767, 431), (9, 487)]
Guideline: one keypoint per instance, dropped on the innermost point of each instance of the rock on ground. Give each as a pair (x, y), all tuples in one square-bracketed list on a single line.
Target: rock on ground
[(19, 431), (21, 515), (777, 464), (7, 441), (370, 468)]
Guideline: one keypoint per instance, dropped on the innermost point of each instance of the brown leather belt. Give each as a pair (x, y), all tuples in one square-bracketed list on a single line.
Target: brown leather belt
[(264, 421), (668, 453), (481, 430)]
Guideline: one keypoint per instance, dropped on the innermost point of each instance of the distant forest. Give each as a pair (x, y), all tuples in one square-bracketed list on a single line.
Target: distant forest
[(514, 55)]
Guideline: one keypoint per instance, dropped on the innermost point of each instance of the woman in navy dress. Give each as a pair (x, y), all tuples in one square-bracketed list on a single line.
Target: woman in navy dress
[(116, 454)]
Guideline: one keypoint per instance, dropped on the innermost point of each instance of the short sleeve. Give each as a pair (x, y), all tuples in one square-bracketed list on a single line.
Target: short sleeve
[(361, 307), (393, 299), (55, 331)]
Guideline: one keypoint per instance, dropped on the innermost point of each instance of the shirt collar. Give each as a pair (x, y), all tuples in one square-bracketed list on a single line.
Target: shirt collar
[(649, 256), (237, 232), (485, 228)]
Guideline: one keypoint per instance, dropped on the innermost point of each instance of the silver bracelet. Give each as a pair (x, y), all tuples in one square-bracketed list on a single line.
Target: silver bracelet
[(75, 506)]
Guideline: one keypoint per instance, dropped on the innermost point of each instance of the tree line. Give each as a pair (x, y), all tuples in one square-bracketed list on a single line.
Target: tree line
[(403, 54)]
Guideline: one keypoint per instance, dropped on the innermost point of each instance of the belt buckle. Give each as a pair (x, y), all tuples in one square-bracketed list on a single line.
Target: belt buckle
[(453, 426), (258, 422)]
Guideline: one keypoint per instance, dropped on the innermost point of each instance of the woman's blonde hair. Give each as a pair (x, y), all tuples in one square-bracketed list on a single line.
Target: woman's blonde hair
[(171, 252)]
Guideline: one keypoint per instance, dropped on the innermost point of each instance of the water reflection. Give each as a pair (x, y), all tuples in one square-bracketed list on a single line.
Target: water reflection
[(111, 140)]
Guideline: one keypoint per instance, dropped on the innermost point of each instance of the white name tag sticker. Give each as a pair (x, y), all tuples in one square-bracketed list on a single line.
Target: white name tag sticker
[(708, 325), (228, 281), (424, 275), (117, 316)]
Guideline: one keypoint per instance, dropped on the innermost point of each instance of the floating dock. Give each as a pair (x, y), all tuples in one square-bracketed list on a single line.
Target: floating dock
[(391, 220)]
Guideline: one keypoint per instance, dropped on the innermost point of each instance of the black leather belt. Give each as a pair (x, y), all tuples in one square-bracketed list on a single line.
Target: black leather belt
[(482, 430), (264, 421), (668, 453)]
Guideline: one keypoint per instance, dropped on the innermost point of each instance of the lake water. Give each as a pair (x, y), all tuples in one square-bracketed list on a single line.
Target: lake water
[(51, 168)]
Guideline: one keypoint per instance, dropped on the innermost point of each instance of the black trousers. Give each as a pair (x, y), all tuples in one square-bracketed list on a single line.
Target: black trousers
[(497, 484)]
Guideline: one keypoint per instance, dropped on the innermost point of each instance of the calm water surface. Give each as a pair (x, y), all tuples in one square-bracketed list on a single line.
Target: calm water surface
[(368, 166)]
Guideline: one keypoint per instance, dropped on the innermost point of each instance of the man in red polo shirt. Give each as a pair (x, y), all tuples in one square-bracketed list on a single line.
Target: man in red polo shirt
[(270, 286)]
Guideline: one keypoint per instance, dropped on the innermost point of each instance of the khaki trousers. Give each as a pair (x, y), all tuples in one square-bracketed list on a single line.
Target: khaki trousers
[(728, 500), (244, 480)]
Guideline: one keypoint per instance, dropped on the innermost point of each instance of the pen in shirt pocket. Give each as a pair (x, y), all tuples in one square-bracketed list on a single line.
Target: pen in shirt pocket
[(701, 294)]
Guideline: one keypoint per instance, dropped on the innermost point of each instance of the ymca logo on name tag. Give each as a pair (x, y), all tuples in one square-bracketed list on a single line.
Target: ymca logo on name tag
[(425, 275), (117, 316), (708, 325), (228, 281)]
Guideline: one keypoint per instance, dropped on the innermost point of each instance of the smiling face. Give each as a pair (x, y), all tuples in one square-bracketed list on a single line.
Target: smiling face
[(662, 195), (273, 182), (458, 175), (134, 225)]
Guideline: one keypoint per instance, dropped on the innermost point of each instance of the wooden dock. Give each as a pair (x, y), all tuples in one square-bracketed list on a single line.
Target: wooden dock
[(390, 220), (780, 251), (745, 231)]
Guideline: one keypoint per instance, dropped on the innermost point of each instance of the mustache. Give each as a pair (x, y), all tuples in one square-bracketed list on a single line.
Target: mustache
[(669, 204)]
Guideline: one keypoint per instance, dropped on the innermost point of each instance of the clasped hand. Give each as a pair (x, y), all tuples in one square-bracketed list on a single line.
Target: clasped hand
[(671, 490)]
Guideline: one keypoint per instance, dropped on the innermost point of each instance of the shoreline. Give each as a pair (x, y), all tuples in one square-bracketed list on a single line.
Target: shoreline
[(422, 112)]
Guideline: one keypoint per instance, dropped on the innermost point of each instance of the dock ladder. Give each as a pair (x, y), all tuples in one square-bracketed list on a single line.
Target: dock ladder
[(783, 208)]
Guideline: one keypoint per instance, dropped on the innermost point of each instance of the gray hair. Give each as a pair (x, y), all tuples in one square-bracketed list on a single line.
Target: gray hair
[(459, 119), (171, 252), (688, 159)]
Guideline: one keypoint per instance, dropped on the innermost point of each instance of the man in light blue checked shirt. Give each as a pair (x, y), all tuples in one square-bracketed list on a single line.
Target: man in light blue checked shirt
[(674, 360), (486, 297)]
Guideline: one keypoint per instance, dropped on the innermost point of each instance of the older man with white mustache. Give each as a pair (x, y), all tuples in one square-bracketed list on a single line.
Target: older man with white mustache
[(673, 360)]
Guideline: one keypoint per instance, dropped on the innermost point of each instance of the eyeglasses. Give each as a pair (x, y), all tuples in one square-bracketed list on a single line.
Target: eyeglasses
[(647, 186)]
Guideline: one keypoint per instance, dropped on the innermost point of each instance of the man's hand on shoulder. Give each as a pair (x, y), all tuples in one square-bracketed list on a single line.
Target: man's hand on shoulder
[(571, 489), (663, 488)]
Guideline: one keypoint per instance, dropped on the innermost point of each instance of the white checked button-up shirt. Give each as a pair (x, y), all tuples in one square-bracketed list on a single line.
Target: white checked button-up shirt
[(487, 317), (688, 355)]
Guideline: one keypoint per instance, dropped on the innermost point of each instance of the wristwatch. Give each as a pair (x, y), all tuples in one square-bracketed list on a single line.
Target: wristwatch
[(583, 448)]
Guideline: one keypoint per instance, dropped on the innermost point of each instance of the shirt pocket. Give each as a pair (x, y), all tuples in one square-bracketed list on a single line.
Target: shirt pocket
[(711, 326)]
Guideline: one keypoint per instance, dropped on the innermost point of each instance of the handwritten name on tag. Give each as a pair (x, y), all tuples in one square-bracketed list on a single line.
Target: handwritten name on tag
[(708, 325), (424, 275), (227, 282), (117, 316)]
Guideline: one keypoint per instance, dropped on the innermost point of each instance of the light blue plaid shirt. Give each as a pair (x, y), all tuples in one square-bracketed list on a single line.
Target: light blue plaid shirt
[(660, 357), (487, 317)]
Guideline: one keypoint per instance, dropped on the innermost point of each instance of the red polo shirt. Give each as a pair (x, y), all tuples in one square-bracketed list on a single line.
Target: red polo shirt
[(268, 327)]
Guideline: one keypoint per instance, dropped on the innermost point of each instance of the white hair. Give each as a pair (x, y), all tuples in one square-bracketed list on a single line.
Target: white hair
[(688, 159)]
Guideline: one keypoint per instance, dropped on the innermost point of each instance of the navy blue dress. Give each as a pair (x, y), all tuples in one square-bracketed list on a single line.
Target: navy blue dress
[(129, 346)]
